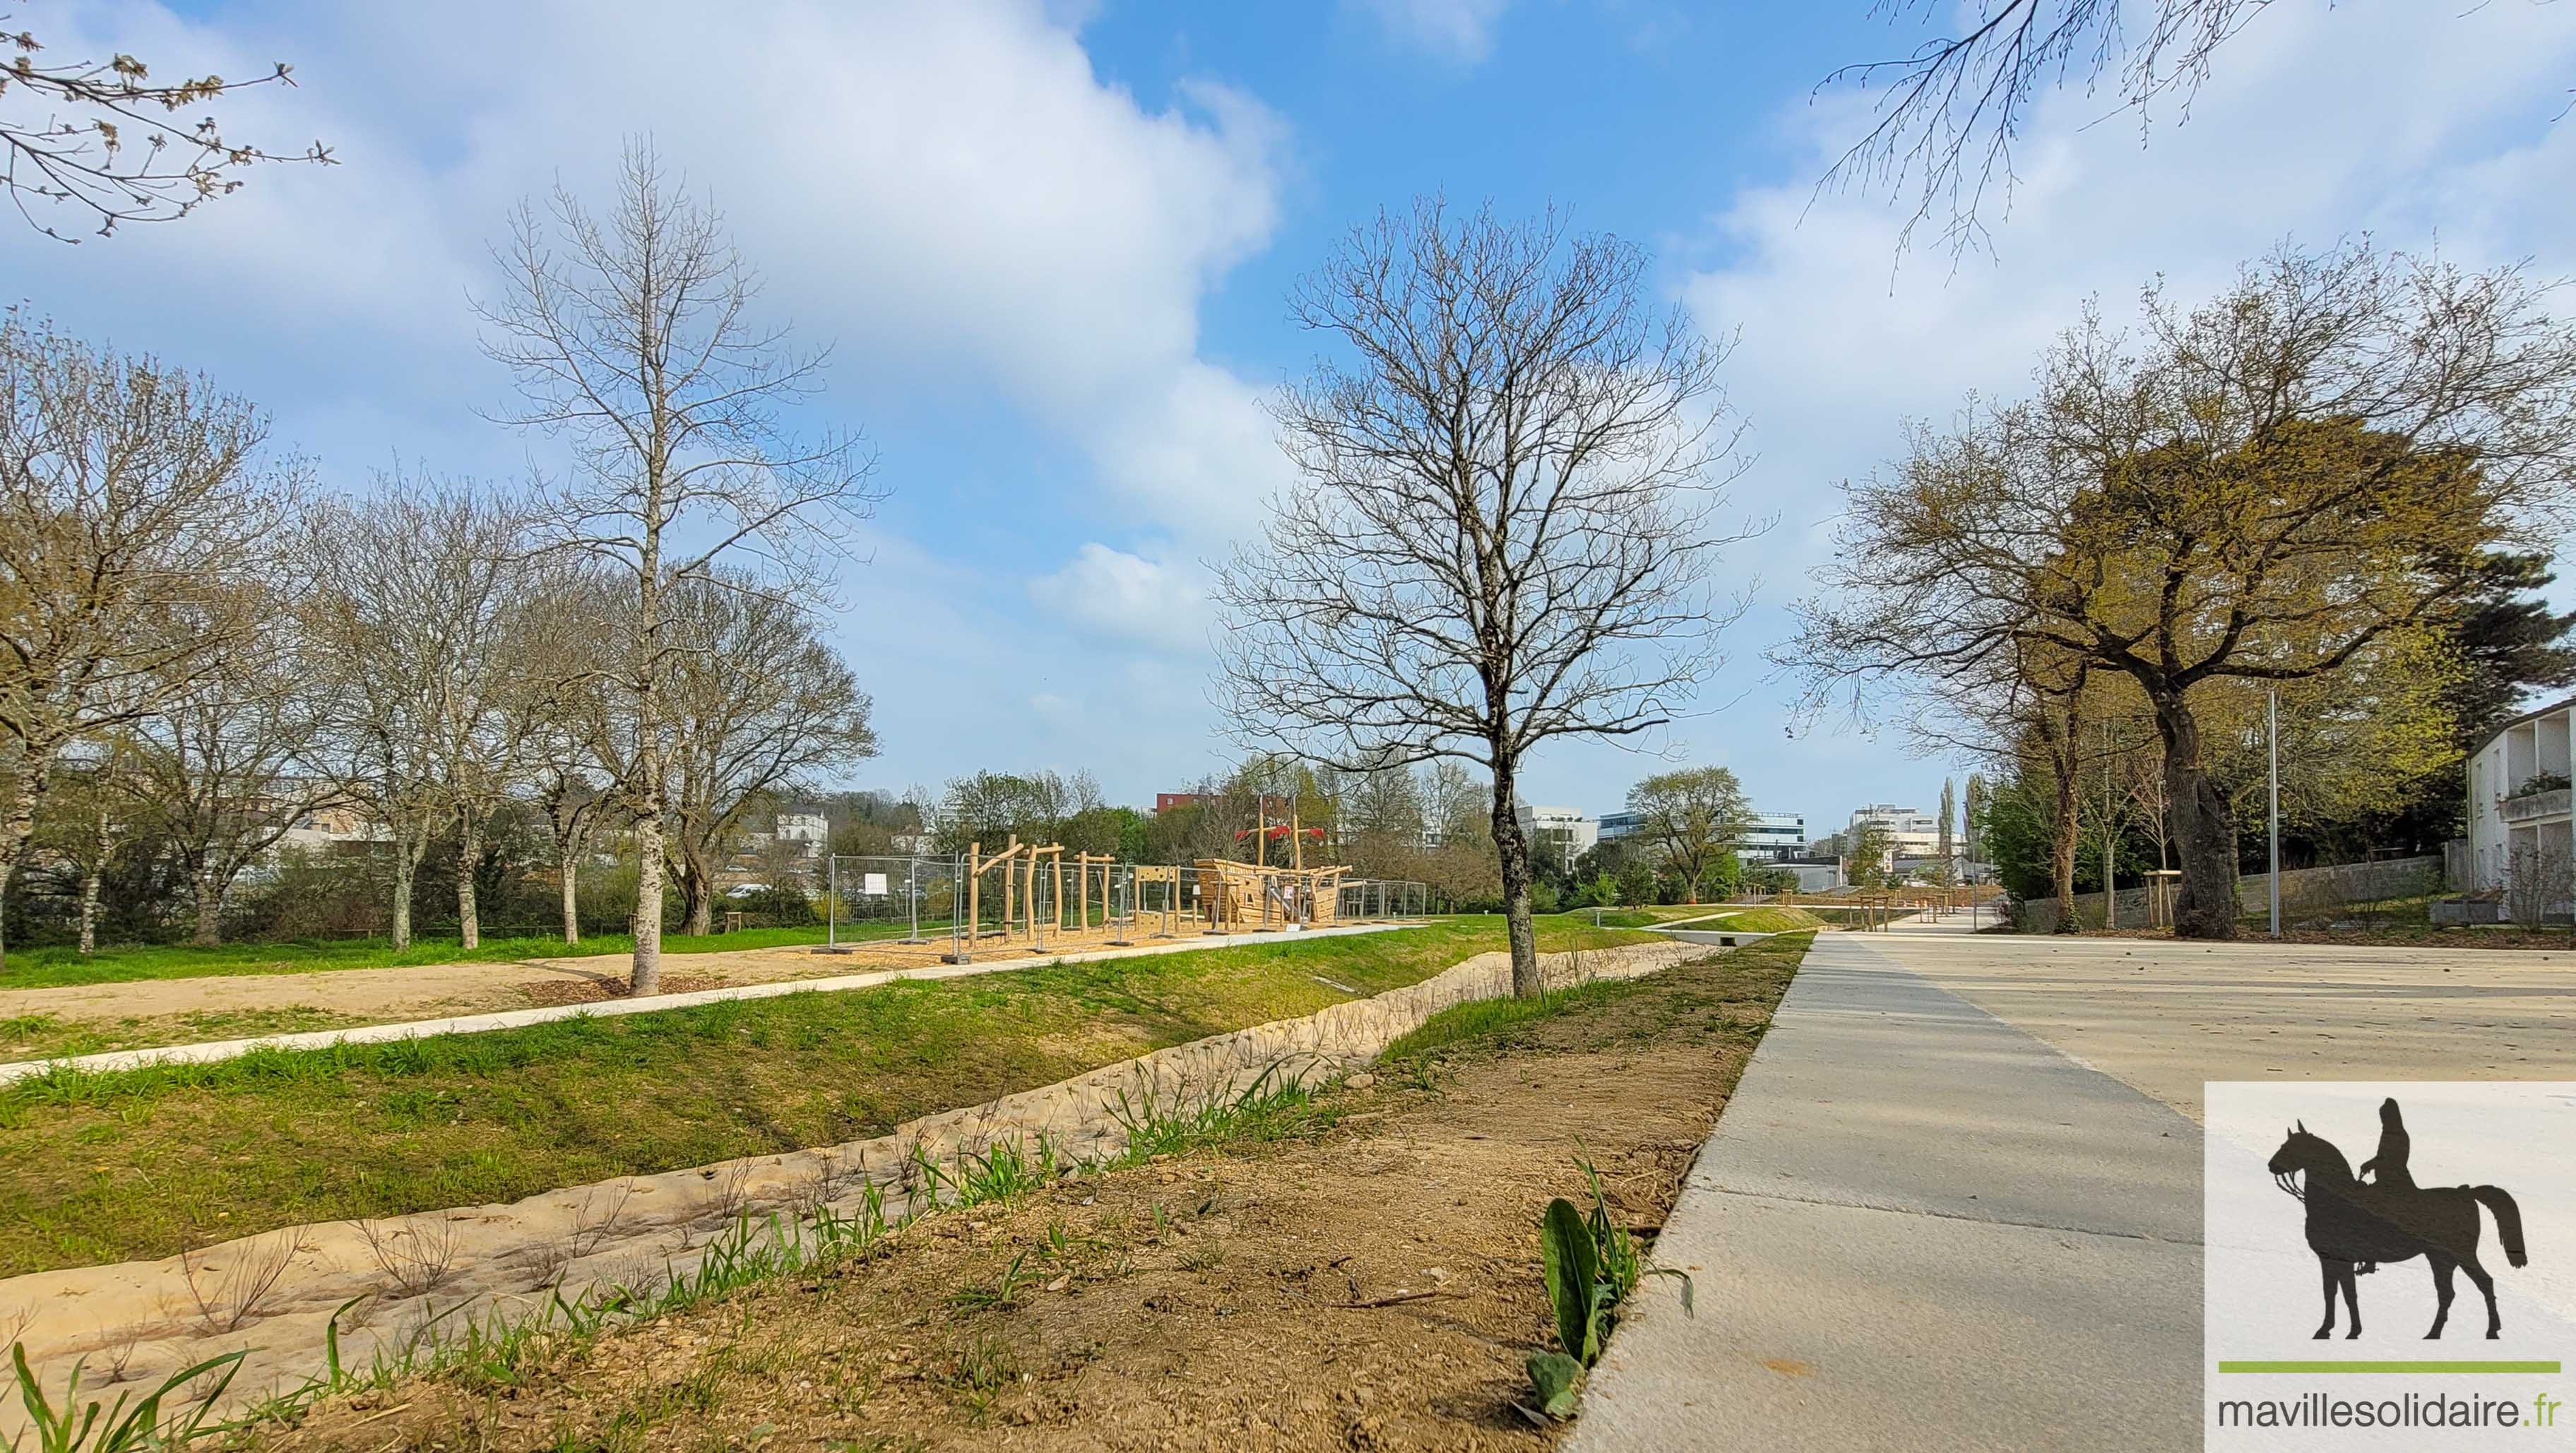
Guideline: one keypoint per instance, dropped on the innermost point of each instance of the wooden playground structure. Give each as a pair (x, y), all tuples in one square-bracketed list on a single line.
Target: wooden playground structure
[(1043, 898)]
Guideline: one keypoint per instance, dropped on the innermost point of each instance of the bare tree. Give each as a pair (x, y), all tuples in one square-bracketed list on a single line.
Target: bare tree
[(757, 703), (1952, 106), (2273, 487), (224, 767), (634, 344), (106, 142), (409, 620), (1506, 519), (133, 500), (89, 816)]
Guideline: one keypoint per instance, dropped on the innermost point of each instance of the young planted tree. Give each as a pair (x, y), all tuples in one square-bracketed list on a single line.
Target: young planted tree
[(757, 704), (2267, 488), (1972, 819), (631, 339), (134, 502), (1695, 818), (1505, 521), (1867, 853), (89, 817)]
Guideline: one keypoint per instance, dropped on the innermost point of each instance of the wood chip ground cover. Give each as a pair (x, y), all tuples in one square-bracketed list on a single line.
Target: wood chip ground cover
[(146, 1163), (1364, 1275)]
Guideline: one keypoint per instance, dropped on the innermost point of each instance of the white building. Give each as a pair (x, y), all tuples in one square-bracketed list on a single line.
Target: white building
[(1770, 837), (811, 830), (1562, 831), (2519, 807)]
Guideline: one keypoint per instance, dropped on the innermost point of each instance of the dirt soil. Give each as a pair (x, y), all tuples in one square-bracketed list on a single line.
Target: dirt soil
[(1369, 1280)]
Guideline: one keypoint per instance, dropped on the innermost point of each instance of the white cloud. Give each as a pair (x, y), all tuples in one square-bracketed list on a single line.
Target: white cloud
[(948, 192), (1128, 598), (2420, 125), (1455, 30)]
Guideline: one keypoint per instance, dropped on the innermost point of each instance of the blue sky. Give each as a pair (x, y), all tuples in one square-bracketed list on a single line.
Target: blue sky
[(1049, 244)]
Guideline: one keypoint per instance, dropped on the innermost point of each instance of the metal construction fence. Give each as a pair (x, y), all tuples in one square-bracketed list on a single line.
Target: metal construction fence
[(868, 898), (938, 901), (1384, 898)]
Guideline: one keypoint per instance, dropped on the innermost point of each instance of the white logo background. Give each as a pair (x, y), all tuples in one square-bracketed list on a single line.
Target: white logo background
[(2264, 1292)]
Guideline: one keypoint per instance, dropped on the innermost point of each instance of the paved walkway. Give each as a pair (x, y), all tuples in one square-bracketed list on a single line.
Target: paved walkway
[(1955, 1201), (1918, 1228)]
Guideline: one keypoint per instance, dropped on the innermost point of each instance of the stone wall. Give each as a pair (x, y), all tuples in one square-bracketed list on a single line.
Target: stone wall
[(154, 1317), (2304, 892)]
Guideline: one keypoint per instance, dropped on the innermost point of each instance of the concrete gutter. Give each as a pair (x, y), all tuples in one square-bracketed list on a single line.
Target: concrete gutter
[(217, 1050), (1713, 937)]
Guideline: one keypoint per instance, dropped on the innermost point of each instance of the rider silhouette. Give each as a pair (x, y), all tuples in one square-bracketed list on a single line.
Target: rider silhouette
[(2388, 1167)]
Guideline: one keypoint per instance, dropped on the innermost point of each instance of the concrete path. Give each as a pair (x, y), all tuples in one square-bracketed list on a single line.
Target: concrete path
[(224, 1049), (2164, 1016), (1917, 1228)]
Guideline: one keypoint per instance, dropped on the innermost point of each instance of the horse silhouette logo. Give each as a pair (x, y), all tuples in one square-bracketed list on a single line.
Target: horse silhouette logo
[(2355, 1222)]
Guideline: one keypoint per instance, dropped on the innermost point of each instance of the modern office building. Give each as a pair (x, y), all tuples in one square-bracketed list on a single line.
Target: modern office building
[(1771, 837), (1564, 833)]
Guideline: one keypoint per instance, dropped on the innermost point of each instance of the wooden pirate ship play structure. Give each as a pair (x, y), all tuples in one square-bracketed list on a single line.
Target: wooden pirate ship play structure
[(1258, 896)]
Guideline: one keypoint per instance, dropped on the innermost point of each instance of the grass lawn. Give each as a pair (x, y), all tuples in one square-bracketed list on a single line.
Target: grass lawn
[(48, 1036), (1498, 1025), (142, 1163), (1746, 920), (1106, 1310), (54, 966)]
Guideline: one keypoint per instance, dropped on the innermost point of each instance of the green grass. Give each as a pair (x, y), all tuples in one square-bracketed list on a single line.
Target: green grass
[(1652, 1005), (56, 966), (1772, 920), (45, 1036), (142, 1163), (1489, 1019), (1748, 920)]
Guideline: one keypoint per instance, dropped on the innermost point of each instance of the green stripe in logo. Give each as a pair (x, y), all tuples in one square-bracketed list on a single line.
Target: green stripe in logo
[(2403, 1366)]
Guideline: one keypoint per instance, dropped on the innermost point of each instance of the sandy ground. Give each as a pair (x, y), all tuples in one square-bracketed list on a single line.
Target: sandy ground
[(1373, 1285), (163, 1011), (2164, 1015)]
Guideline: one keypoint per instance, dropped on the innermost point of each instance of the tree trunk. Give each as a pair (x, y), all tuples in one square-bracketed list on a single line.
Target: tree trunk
[(210, 907), (649, 869), (26, 785), (571, 900), (1514, 851), (469, 855), (2063, 832), (696, 890), (2204, 827), (89, 910), (402, 895)]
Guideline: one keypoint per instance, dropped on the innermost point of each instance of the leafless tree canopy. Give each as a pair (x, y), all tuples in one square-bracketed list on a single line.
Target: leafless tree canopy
[(631, 339), (418, 603), (135, 503), (758, 706), (1951, 109), (1506, 523), (102, 141)]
